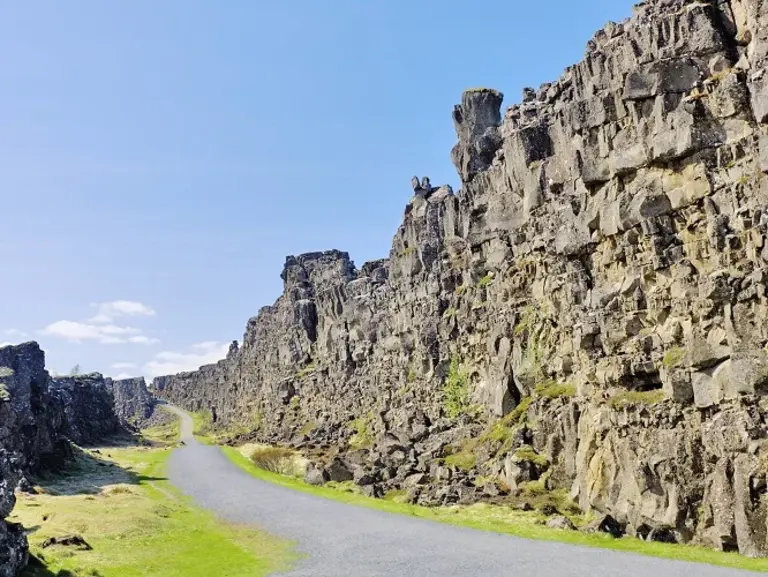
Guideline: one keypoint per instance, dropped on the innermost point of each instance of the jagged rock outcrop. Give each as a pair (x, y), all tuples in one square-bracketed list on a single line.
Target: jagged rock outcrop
[(583, 316), (28, 439), (87, 406), (133, 403), (39, 418)]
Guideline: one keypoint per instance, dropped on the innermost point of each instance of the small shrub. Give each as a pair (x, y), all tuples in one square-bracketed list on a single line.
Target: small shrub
[(449, 313), (540, 498), (456, 393), (526, 321), (273, 459), (408, 251), (4, 394), (673, 357)]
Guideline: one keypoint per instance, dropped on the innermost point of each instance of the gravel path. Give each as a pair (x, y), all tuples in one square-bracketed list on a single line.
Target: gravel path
[(344, 540)]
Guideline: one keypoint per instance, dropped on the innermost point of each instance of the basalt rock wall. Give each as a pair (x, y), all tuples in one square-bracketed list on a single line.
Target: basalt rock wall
[(132, 402), (87, 406), (40, 417), (586, 313)]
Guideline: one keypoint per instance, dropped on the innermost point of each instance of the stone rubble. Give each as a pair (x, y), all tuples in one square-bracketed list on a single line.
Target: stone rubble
[(581, 321)]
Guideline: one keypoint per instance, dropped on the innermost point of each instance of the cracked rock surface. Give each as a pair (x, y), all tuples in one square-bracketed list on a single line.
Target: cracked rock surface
[(585, 317)]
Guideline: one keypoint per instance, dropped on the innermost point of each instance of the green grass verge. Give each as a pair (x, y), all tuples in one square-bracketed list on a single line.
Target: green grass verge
[(166, 433), (138, 524), (500, 519)]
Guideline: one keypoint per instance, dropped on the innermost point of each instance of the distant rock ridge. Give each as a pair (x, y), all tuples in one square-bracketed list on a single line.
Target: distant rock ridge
[(40, 416), (132, 402), (583, 316)]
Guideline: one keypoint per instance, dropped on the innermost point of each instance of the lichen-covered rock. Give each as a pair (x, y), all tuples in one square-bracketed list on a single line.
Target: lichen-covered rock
[(584, 316)]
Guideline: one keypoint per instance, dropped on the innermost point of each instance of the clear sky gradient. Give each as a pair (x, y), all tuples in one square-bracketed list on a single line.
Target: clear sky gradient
[(158, 160)]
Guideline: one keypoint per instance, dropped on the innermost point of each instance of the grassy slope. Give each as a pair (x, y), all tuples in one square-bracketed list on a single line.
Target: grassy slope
[(505, 520), (138, 525)]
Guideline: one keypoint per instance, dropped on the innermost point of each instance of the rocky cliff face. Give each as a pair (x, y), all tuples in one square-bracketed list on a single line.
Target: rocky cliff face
[(39, 417), (584, 316), (27, 439), (86, 404), (132, 401)]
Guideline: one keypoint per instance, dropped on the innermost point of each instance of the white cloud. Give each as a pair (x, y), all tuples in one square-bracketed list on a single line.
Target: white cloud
[(5, 344), (172, 362), (78, 332), (143, 340), (122, 376), (114, 309), (123, 366), (102, 328)]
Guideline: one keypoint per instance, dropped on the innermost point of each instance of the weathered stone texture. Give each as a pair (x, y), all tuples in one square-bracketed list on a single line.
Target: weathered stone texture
[(87, 406), (39, 417), (607, 249), (133, 403)]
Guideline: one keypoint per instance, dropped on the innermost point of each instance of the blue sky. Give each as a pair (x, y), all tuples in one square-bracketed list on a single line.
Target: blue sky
[(158, 160)]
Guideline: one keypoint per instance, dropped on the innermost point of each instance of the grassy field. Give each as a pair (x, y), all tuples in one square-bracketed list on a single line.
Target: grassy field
[(499, 519), (119, 501)]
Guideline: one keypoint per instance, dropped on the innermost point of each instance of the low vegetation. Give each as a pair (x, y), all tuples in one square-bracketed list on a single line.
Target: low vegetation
[(632, 398), (306, 371), (553, 389), (274, 459), (208, 433), (526, 453), (485, 281), (362, 437), (202, 424), (673, 357), (456, 392), (463, 459), (506, 519), (120, 503)]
